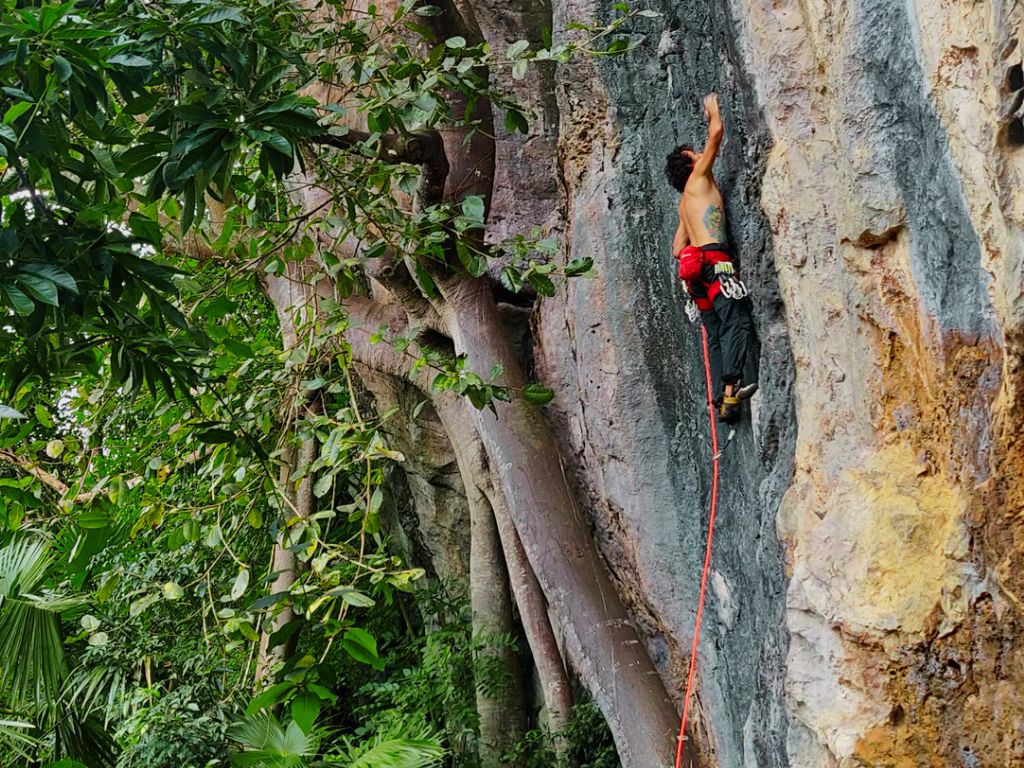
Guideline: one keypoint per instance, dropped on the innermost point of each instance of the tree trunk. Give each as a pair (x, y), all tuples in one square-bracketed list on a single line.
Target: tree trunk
[(290, 295), (283, 560), (547, 658), (533, 611), (282, 563), (501, 707), (600, 640)]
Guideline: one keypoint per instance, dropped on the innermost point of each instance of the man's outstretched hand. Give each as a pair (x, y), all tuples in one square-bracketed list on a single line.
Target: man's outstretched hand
[(711, 105)]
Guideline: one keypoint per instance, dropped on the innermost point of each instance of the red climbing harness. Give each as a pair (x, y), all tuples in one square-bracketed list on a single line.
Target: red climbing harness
[(707, 554)]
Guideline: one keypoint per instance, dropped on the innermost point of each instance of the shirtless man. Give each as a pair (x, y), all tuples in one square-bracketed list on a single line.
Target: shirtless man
[(706, 265)]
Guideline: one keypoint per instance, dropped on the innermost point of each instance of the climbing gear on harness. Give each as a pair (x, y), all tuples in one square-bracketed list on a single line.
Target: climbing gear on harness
[(715, 457), (732, 286), (692, 311), (708, 270), (724, 268)]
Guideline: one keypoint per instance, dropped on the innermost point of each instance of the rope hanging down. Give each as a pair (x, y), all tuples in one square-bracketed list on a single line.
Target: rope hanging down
[(716, 455)]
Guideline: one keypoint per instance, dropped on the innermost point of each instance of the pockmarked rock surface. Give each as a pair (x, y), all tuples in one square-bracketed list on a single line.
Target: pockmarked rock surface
[(865, 604)]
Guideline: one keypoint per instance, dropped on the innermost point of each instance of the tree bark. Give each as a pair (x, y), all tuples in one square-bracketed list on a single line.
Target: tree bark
[(501, 707), (522, 454), (533, 611), (289, 295), (282, 563), (529, 598), (600, 640)]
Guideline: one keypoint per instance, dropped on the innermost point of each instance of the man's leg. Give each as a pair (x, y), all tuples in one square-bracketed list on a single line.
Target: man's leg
[(736, 329), (713, 325), (737, 326)]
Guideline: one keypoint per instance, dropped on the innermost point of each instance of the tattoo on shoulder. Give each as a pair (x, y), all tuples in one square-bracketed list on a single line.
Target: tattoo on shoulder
[(714, 222)]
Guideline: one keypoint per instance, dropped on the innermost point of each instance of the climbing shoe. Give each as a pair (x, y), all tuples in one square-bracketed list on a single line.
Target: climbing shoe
[(746, 391), (729, 410)]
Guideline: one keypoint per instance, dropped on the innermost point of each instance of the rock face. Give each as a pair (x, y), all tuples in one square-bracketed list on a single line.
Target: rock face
[(866, 604), (866, 594), (628, 371)]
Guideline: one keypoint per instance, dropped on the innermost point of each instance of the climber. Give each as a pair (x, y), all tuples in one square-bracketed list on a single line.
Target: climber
[(716, 294)]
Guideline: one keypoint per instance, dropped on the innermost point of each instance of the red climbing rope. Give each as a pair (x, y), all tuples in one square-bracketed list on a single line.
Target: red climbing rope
[(707, 553)]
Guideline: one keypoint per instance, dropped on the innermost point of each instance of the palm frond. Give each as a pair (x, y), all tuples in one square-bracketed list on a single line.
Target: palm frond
[(16, 738), (400, 753), (95, 690), (32, 662), (23, 564), (267, 743), (84, 739)]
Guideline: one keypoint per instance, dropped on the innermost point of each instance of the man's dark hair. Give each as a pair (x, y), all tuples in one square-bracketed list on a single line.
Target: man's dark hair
[(678, 166)]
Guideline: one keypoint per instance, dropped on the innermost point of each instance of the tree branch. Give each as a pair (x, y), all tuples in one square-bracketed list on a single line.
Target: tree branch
[(59, 486), (36, 471)]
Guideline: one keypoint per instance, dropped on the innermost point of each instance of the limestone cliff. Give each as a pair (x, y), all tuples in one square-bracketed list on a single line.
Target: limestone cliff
[(866, 591)]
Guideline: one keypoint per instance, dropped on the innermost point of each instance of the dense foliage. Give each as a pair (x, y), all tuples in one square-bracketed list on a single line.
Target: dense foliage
[(151, 157)]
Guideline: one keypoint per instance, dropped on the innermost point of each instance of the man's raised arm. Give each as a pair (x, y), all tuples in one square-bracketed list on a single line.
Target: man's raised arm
[(715, 133)]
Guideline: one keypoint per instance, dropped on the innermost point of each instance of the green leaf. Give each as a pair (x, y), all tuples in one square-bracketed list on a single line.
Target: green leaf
[(247, 631), (43, 417), (426, 282), (99, 639), (362, 647), (41, 288), (511, 278), (105, 162), (617, 47), (63, 68), (305, 710), (473, 207), (17, 110), (516, 121), (400, 753), (353, 597), (141, 604), (217, 308), (276, 142), (455, 43), (173, 591), (517, 49), (52, 273), (269, 697), (21, 303), (221, 14), (268, 600), (537, 394), (579, 266), (106, 589), (323, 485), (93, 519), (241, 584), (542, 284)]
